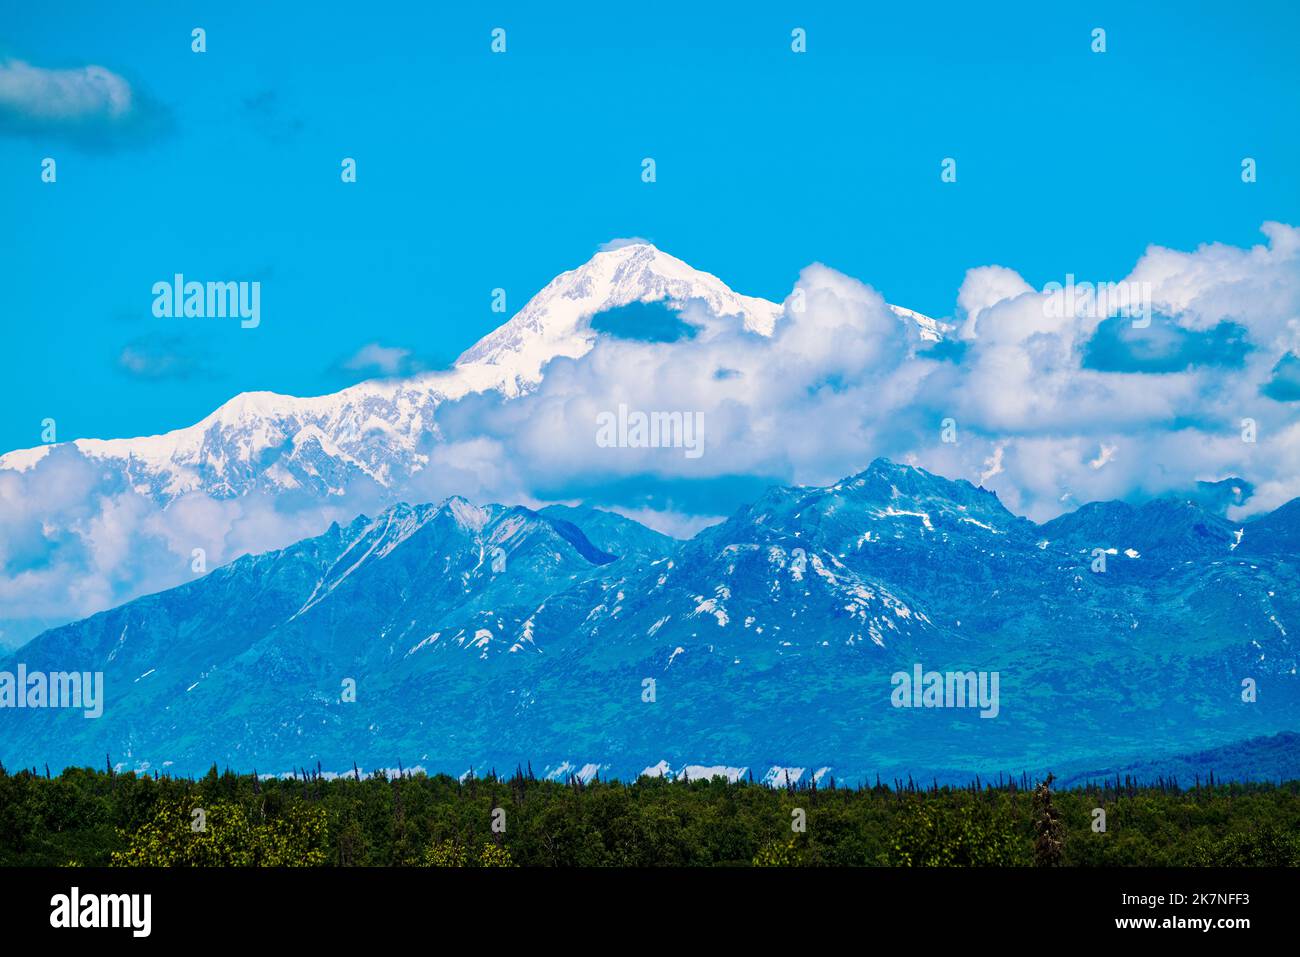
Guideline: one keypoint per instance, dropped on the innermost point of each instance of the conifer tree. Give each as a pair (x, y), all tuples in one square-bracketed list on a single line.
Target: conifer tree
[(1048, 831)]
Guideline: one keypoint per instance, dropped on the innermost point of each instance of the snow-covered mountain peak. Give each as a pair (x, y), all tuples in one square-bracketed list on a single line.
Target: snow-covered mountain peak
[(377, 431), (557, 321), (468, 515)]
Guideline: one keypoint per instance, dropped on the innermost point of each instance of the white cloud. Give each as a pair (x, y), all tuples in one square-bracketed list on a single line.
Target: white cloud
[(81, 93), (845, 380), (375, 359), (1104, 455), (985, 287), (1256, 287), (993, 464)]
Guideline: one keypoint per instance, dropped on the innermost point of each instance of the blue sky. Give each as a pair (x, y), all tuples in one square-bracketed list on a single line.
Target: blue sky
[(479, 171)]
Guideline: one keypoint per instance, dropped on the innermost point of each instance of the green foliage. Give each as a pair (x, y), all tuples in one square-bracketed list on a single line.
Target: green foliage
[(928, 834), (453, 854), (445, 854), (494, 855), (1263, 844), (227, 838), (777, 854), (92, 818)]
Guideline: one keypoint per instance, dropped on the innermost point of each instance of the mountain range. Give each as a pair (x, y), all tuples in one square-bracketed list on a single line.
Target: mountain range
[(265, 469), (455, 635), (582, 642)]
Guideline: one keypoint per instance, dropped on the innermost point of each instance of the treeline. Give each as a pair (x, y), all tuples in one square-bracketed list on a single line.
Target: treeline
[(97, 818)]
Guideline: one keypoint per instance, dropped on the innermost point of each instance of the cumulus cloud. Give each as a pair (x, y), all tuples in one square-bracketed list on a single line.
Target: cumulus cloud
[(88, 105), (63, 95), (1254, 287), (1053, 406)]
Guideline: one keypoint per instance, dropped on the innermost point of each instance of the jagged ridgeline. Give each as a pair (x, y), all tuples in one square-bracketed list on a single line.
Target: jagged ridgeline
[(454, 636)]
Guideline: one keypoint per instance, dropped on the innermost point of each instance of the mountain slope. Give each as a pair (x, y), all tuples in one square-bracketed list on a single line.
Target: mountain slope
[(577, 639)]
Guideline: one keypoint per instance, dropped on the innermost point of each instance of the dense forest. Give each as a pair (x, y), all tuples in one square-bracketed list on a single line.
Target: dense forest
[(97, 818)]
